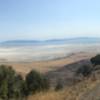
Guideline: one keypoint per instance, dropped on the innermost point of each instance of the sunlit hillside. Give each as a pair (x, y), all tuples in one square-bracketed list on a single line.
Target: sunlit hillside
[(85, 90)]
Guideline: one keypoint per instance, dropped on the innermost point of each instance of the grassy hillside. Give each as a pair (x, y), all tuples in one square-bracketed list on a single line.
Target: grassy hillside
[(78, 81), (77, 92)]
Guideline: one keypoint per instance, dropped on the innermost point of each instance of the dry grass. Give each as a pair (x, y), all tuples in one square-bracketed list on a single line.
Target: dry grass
[(69, 93), (46, 66)]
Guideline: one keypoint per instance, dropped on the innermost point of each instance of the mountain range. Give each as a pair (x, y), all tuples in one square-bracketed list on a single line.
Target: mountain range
[(52, 41)]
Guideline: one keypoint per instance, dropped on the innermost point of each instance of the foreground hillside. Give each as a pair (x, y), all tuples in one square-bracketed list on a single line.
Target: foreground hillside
[(88, 88), (85, 90), (72, 78)]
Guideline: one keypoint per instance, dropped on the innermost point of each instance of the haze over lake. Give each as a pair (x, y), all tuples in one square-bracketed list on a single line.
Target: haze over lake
[(44, 51)]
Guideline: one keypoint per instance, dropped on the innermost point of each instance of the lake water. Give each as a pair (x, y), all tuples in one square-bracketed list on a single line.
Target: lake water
[(44, 52)]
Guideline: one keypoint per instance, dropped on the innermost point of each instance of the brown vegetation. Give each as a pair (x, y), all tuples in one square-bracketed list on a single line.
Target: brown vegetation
[(69, 93)]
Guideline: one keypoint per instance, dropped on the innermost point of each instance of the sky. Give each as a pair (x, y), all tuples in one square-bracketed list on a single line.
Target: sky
[(49, 19)]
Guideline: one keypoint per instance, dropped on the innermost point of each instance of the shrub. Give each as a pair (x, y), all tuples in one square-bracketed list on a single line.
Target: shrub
[(11, 84), (95, 60), (14, 87), (84, 70), (36, 82), (4, 90), (59, 86)]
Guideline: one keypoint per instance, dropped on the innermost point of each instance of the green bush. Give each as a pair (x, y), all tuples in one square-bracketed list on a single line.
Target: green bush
[(84, 70), (36, 82), (59, 86), (11, 84), (95, 60), (14, 87)]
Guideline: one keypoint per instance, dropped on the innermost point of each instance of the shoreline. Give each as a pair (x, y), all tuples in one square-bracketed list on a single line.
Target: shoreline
[(46, 66)]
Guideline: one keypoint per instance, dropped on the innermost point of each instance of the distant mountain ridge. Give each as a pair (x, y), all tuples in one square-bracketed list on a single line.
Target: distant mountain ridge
[(77, 39), (70, 40), (21, 41)]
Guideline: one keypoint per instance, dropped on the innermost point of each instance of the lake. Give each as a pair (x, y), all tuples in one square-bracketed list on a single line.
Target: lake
[(44, 52)]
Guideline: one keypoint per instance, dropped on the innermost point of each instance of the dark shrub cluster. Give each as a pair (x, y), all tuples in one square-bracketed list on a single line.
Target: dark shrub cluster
[(95, 60), (36, 82), (59, 86), (14, 87), (84, 70), (11, 84)]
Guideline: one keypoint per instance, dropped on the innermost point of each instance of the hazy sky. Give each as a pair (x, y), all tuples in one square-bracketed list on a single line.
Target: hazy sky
[(46, 19)]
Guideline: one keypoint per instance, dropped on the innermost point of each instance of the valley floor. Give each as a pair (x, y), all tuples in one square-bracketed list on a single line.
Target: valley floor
[(50, 65)]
